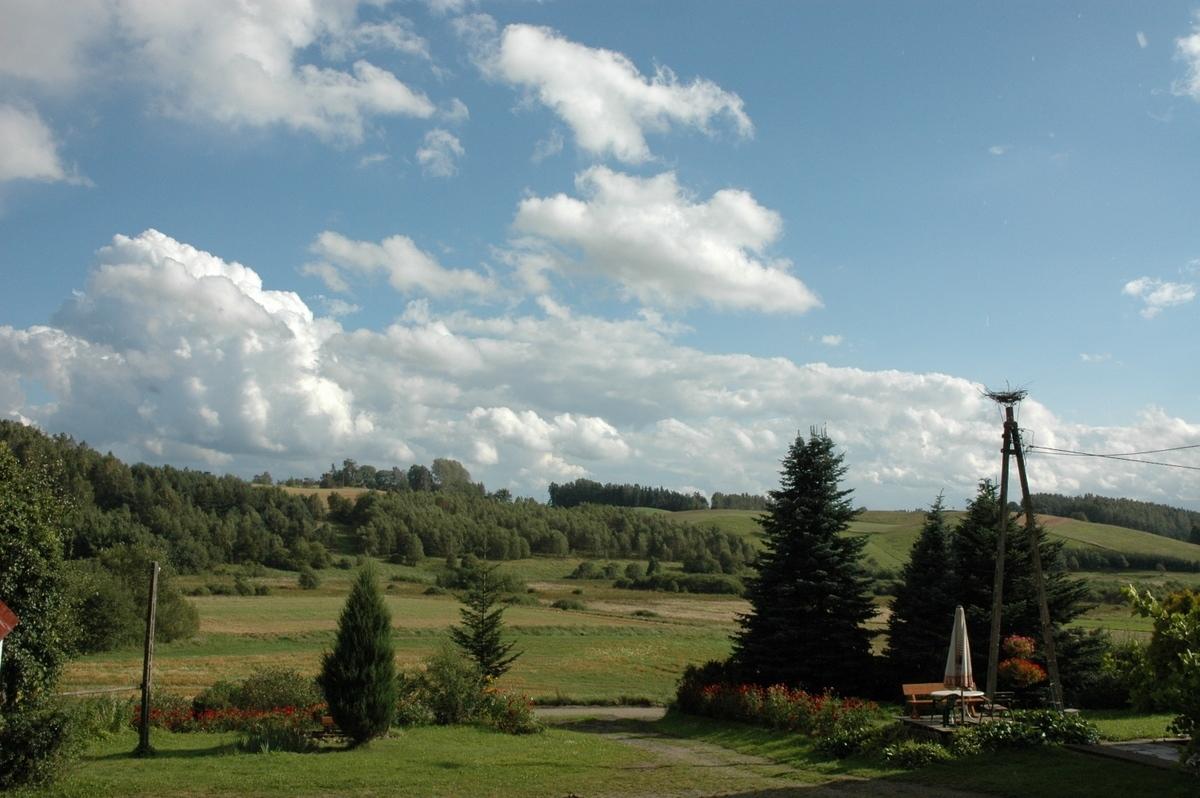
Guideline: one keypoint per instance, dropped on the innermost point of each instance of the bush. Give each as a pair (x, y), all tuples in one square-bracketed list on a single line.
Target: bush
[(511, 714), (262, 590), (274, 687), (454, 687), (36, 744), (242, 586), (100, 716), (568, 604), (435, 590), (221, 695), (308, 579), (1026, 729), (412, 701), (277, 733), (911, 754)]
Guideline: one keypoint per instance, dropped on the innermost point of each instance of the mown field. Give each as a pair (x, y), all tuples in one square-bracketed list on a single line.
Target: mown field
[(603, 653), (624, 645)]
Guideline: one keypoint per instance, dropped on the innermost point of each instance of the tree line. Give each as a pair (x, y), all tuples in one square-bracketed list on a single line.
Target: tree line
[(587, 491), (409, 525), (1158, 519)]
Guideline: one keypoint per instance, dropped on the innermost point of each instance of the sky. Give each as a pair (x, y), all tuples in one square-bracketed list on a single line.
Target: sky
[(627, 241)]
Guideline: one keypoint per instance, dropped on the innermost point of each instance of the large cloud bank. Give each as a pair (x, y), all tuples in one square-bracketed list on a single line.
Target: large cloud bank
[(172, 354)]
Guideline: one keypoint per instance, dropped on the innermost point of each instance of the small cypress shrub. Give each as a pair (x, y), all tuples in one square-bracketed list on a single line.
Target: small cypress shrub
[(359, 676)]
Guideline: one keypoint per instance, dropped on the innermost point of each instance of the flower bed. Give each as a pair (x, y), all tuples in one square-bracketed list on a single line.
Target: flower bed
[(177, 715)]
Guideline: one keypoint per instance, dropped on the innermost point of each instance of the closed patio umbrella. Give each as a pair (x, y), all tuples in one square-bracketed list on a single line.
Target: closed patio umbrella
[(958, 660)]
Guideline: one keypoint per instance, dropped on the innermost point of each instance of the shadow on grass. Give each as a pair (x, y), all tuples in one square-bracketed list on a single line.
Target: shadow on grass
[(168, 753)]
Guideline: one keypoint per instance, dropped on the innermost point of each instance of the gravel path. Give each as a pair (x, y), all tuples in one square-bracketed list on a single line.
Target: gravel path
[(739, 775)]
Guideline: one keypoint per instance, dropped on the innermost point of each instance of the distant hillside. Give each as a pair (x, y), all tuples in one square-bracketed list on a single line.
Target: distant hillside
[(1158, 519), (1089, 546)]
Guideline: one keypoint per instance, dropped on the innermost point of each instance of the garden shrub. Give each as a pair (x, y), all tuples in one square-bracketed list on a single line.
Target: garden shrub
[(100, 716), (455, 687), (277, 732), (37, 742), (1025, 729), (509, 713), (273, 687), (220, 695), (912, 754), (412, 700)]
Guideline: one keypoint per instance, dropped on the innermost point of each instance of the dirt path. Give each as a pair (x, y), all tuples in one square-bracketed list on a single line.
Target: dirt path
[(738, 775)]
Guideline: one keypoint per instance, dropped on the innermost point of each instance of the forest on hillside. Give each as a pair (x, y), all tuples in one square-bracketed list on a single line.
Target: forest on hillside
[(1158, 519), (196, 521)]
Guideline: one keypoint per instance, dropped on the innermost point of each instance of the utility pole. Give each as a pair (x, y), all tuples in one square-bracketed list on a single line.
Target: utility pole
[(1001, 548), (143, 747), (1012, 445)]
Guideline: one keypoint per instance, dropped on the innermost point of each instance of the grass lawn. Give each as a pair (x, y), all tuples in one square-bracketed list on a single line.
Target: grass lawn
[(1039, 773), (1125, 724), (445, 761)]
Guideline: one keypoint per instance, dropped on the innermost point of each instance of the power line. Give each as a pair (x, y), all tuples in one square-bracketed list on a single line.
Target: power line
[(1072, 453), (1115, 454)]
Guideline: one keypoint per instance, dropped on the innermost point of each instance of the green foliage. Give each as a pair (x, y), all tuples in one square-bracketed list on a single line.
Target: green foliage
[(359, 676), (99, 716), (738, 501), (453, 687), (568, 604), (972, 571), (811, 597), (1174, 655), (480, 634), (672, 582), (913, 754), (37, 742), (276, 733), (308, 579), (274, 687), (33, 585), (923, 609), (510, 713), (586, 491), (1158, 519), (1025, 729), (198, 520)]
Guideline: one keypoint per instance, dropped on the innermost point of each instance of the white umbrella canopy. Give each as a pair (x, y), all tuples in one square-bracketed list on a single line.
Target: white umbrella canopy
[(958, 661)]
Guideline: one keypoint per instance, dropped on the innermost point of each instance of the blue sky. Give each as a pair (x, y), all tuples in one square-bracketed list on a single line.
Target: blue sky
[(629, 241)]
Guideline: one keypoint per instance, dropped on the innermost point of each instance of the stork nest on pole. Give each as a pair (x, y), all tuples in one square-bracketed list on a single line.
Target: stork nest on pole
[(1006, 398)]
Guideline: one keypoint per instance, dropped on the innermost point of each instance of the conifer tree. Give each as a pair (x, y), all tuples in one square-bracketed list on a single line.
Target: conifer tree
[(480, 635), (973, 560), (811, 596), (359, 676), (923, 609)]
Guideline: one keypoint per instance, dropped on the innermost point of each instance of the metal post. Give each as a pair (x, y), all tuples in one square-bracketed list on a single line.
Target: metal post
[(1035, 539), (1001, 535), (143, 747)]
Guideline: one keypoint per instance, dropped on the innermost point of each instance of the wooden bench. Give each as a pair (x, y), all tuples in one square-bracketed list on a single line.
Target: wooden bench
[(919, 696)]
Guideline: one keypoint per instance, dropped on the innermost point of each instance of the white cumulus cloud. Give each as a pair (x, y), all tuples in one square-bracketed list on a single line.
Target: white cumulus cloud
[(240, 63), (439, 153), (608, 103), (28, 150), (1156, 295), (663, 246), (407, 267), (172, 354)]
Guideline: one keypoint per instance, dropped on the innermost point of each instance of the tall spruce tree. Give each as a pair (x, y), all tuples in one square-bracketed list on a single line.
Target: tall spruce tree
[(359, 676), (973, 560), (810, 598), (480, 635), (923, 609)]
